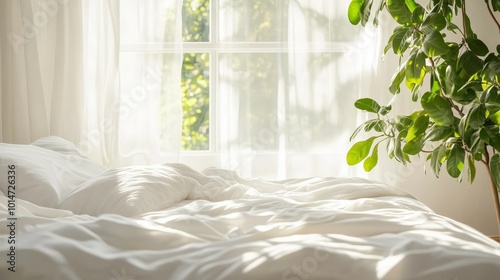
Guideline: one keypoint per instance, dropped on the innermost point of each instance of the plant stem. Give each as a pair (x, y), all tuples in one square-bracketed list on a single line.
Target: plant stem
[(492, 15), (493, 189), (464, 14), (441, 88)]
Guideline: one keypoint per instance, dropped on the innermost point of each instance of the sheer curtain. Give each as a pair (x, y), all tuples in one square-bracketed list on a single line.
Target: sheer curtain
[(106, 76), (287, 103), (150, 69), (42, 74), (61, 63)]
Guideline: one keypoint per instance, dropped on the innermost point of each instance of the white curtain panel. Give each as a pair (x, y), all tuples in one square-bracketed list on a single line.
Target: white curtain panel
[(61, 67), (42, 69), (287, 109), (106, 76), (101, 95), (150, 73)]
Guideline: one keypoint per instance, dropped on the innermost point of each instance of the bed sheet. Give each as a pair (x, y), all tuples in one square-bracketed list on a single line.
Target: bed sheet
[(227, 227)]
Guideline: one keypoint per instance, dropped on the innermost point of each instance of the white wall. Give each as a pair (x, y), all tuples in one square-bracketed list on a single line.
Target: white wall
[(470, 204)]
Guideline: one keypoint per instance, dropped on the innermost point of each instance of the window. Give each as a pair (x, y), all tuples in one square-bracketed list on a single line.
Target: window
[(262, 82), (240, 46), (195, 81)]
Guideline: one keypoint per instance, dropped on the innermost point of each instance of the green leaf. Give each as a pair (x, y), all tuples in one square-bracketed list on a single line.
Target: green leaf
[(380, 8), (476, 116), (447, 12), (468, 30), (470, 64), (455, 161), (495, 169), (464, 96), (366, 11), (418, 15), (376, 124), (495, 117), (354, 11), (491, 98), (437, 133), (438, 109), (385, 110), (372, 160), (452, 56), (433, 22), (414, 147), (491, 72), (415, 68), (398, 152), (452, 27), (359, 128), (399, 11), (359, 151), (435, 86), (462, 127), (415, 92), (434, 44), (474, 142), (437, 159), (471, 169), (412, 5), (397, 79), (399, 40), (449, 80), (390, 147), (491, 135), (367, 104), (477, 46), (495, 4), (418, 127)]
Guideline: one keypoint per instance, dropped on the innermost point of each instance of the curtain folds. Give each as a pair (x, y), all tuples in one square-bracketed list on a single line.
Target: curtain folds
[(289, 107), (106, 76), (40, 45), (150, 69), (61, 65)]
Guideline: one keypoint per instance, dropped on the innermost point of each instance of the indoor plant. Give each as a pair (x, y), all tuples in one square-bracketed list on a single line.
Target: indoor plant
[(457, 121)]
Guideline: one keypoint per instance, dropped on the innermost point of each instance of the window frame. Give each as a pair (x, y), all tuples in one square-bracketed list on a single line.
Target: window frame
[(214, 47)]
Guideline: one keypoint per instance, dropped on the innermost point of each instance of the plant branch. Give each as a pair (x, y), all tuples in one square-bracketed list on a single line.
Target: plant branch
[(453, 105), (493, 188), (492, 15), (464, 14)]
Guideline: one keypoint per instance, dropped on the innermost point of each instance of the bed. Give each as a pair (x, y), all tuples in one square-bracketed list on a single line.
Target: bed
[(64, 217)]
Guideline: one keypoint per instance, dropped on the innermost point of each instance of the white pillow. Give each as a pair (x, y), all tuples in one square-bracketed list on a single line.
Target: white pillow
[(57, 144), (130, 191), (71, 153), (43, 176)]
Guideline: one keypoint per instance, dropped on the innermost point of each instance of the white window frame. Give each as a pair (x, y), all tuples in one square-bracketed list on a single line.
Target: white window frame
[(212, 157)]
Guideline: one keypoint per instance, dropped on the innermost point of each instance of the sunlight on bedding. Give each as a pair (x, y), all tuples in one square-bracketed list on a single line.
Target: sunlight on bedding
[(171, 220)]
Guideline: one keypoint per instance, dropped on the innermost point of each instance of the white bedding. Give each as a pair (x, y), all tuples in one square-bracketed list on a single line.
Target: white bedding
[(216, 225)]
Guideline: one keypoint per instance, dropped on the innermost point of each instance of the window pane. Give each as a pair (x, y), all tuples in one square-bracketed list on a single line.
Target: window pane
[(283, 21), (252, 20), (250, 82), (296, 98), (195, 17), (195, 101), (148, 21)]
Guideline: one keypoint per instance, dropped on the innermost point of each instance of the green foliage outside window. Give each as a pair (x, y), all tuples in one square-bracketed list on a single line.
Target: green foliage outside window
[(195, 101), (195, 17), (195, 77)]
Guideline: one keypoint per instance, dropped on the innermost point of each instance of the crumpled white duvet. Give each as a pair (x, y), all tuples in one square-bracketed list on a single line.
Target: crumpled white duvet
[(215, 225)]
